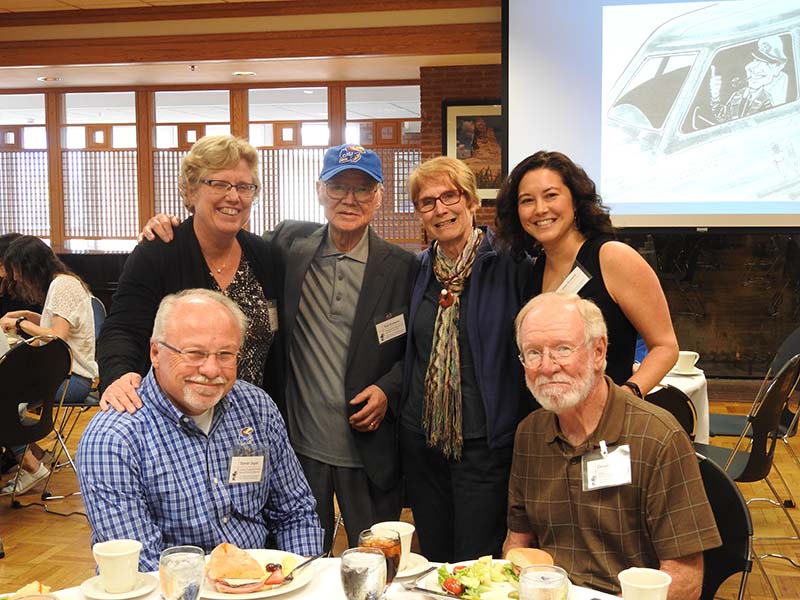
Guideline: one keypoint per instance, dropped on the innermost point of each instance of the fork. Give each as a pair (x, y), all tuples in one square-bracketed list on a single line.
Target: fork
[(410, 585), (290, 576)]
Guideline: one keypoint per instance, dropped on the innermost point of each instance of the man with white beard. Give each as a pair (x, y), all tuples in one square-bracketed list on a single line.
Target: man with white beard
[(207, 459), (600, 479)]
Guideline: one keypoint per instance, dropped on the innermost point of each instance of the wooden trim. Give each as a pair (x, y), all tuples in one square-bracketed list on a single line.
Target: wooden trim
[(16, 131), (213, 11), (278, 140), (54, 119), (386, 132), (145, 144), (337, 113), (189, 133), (92, 143), (472, 38), (239, 113)]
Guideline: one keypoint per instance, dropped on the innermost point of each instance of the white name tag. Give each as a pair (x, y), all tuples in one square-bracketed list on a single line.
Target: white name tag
[(246, 469), (574, 282), (604, 468), (391, 328), (272, 315)]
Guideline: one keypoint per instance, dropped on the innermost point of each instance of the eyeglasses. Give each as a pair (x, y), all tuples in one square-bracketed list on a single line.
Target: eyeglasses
[(245, 190), (448, 198), (532, 357), (339, 191), (196, 358)]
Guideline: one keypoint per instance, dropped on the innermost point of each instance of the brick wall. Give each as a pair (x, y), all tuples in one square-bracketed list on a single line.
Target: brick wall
[(464, 83)]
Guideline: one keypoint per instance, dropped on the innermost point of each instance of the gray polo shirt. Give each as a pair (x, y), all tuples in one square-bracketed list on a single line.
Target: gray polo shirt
[(315, 399)]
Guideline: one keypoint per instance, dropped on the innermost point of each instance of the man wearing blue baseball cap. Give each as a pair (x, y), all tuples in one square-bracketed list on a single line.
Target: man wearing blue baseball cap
[(345, 307)]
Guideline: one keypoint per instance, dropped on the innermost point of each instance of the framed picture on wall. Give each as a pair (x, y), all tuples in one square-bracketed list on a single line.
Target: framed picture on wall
[(473, 132)]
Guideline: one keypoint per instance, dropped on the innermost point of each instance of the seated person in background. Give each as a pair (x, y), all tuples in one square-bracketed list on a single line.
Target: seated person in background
[(9, 301), (206, 459), (647, 510)]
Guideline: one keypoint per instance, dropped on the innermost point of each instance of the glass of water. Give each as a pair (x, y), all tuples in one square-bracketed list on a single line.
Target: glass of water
[(363, 573), (543, 582), (181, 570)]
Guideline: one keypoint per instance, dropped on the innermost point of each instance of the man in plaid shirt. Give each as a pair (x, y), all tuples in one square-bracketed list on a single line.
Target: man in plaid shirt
[(206, 459)]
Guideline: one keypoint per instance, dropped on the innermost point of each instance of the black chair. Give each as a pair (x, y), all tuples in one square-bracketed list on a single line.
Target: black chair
[(725, 425), (762, 425), (735, 528), (31, 372), (676, 402), (68, 413)]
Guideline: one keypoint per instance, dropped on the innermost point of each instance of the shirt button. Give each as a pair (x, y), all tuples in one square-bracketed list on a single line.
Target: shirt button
[(338, 297), (575, 460), (216, 481), (341, 276), (224, 519)]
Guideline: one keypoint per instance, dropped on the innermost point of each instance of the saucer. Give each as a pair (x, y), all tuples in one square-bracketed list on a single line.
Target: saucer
[(145, 583), (416, 565), (692, 371)]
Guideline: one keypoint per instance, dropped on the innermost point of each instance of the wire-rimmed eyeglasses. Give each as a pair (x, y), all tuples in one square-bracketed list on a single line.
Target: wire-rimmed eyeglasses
[(448, 198), (532, 357), (246, 191), (195, 357), (362, 193)]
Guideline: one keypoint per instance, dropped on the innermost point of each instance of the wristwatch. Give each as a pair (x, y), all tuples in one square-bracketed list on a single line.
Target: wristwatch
[(17, 324), (632, 385)]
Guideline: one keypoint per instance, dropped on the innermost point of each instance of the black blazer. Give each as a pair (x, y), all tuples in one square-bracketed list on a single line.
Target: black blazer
[(385, 291), (155, 269)]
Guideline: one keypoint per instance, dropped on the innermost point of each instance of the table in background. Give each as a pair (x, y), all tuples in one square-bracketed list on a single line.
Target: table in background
[(696, 387), (326, 585)]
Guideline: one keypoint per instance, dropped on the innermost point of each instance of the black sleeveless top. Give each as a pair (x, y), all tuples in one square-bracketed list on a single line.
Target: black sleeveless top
[(621, 333)]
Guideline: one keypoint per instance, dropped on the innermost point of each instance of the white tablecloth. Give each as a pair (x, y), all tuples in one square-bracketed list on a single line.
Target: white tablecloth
[(696, 387), (326, 585)]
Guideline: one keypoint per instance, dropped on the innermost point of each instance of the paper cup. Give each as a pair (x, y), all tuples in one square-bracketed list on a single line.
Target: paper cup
[(686, 361), (118, 561), (406, 531), (644, 584)]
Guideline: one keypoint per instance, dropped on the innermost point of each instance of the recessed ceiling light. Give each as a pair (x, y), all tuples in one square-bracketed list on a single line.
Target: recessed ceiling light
[(243, 73), (308, 91), (48, 79)]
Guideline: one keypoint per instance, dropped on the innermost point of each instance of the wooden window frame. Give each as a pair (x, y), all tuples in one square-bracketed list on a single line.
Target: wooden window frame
[(17, 131)]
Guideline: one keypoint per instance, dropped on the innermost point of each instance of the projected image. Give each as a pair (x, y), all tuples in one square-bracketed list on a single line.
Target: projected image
[(706, 110)]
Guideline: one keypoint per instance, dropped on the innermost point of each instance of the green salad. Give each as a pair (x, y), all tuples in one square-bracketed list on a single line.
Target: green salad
[(479, 580)]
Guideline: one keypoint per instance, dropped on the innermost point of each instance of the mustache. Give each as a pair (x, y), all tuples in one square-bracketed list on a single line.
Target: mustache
[(206, 380)]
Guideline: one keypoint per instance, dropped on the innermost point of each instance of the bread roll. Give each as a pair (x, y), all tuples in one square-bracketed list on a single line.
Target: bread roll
[(523, 557)]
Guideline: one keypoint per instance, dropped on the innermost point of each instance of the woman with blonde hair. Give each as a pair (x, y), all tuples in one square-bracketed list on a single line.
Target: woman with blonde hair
[(219, 182), (463, 386)]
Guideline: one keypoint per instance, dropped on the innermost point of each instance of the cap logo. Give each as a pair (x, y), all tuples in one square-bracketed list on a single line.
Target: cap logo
[(351, 154)]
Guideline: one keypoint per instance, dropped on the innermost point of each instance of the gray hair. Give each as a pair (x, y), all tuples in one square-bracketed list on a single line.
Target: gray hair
[(594, 326), (169, 302)]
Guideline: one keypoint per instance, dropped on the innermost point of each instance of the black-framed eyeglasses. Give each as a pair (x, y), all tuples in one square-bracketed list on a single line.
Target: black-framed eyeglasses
[(245, 190), (448, 198), (532, 357), (362, 193), (195, 357)]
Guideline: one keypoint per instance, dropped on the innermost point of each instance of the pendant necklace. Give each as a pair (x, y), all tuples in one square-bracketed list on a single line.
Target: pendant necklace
[(224, 264)]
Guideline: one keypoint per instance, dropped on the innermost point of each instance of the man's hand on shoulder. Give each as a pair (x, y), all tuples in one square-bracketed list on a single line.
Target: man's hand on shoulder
[(122, 394), (160, 225)]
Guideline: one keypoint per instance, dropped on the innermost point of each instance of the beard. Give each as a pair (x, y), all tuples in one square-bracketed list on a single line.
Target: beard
[(203, 401), (559, 400)]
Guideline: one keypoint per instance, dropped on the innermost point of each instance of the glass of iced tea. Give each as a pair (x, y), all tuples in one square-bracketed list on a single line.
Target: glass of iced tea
[(388, 542)]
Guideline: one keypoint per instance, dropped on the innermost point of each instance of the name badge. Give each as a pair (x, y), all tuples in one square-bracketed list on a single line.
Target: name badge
[(247, 461), (604, 468), (391, 328), (272, 315), (574, 282)]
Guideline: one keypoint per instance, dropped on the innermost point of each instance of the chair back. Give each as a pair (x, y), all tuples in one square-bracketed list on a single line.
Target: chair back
[(675, 401), (765, 421), (31, 372), (789, 347), (99, 314), (735, 528)]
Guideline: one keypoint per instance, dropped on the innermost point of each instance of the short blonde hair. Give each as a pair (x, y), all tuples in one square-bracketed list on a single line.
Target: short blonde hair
[(594, 325), (457, 171), (214, 153)]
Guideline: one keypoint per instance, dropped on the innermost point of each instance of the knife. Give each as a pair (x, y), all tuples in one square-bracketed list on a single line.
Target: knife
[(442, 594)]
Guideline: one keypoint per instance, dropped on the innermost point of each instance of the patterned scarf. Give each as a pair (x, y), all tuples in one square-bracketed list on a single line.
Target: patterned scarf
[(442, 407)]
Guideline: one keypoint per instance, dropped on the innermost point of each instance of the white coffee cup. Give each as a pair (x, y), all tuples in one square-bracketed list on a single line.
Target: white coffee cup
[(118, 561), (406, 531), (644, 584), (687, 359)]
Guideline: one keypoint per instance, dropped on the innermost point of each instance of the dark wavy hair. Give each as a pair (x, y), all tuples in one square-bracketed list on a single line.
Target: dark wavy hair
[(591, 215), (30, 267)]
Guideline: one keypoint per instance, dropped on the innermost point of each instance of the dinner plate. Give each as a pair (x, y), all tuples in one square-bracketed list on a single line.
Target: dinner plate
[(145, 583), (499, 590), (693, 371), (263, 557), (416, 564)]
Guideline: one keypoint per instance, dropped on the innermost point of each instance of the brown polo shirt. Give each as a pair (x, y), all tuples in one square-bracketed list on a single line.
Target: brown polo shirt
[(663, 514)]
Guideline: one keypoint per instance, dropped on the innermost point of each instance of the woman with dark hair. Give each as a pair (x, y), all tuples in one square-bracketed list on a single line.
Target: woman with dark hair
[(550, 205), (36, 275), (7, 301)]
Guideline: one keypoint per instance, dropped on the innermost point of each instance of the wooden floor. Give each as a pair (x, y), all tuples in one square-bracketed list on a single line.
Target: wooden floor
[(56, 550)]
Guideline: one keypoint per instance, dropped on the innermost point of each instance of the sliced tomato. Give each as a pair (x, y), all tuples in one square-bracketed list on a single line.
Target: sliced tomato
[(452, 585), (458, 568)]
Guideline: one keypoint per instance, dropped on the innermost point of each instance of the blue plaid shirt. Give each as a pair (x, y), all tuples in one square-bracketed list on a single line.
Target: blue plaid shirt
[(154, 476)]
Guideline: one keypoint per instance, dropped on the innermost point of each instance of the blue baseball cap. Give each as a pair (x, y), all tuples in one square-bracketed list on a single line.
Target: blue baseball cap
[(351, 156)]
